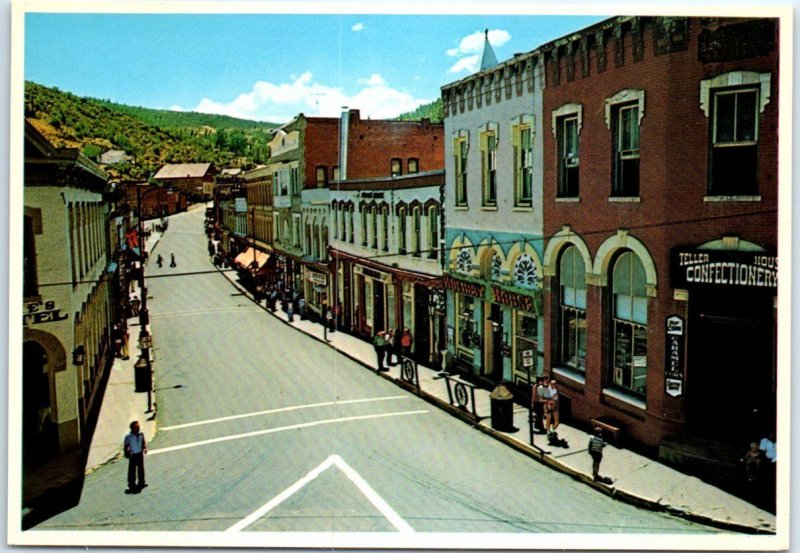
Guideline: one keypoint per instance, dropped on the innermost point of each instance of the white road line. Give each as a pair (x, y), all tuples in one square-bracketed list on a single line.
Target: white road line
[(282, 429), (281, 497), (362, 485), (279, 410), (390, 514)]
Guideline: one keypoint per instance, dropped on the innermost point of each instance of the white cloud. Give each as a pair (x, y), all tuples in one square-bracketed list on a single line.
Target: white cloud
[(470, 48), (374, 80), (357, 27), (467, 65), (279, 103)]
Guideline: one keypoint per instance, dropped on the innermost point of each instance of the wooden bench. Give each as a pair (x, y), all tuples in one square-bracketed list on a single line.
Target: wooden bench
[(611, 429)]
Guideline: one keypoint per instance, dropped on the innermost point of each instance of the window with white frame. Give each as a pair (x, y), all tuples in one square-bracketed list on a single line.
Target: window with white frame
[(385, 228), (413, 165), (433, 232), (629, 324), (734, 147), (489, 162), (401, 231), (568, 157), (416, 228), (460, 149), (523, 171), (350, 226), (364, 225), (625, 128), (374, 225)]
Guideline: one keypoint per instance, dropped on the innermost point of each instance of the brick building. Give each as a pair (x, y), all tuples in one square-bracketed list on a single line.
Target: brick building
[(387, 206), (660, 209), (195, 180)]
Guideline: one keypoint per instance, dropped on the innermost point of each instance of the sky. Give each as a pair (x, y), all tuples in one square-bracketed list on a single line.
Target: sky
[(271, 67)]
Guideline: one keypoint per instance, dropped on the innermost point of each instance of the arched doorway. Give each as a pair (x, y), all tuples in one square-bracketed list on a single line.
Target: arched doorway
[(39, 434)]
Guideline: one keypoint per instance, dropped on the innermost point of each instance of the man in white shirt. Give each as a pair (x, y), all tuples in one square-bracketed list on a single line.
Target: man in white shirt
[(135, 446)]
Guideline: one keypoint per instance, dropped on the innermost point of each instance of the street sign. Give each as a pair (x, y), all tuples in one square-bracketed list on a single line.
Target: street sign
[(527, 358)]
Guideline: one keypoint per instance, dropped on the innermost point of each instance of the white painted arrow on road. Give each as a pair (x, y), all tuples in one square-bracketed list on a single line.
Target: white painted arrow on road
[(361, 484)]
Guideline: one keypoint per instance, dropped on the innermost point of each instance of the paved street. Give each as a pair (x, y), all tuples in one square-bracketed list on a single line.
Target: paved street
[(261, 428)]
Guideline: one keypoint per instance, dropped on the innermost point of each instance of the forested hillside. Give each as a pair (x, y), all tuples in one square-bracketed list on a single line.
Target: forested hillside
[(153, 137), (432, 111)]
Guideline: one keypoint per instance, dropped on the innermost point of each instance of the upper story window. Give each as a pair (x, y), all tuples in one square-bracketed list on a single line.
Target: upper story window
[(29, 271), (401, 231), (416, 229), (397, 167), (374, 225), (413, 165), (523, 172), (568, 157), (385, 228), (351, 215), (335, 216), (734, 148), (489, 160), (433, 232), (322, 176), (335, 172), (733, 102), (626, 150), (364, 225), (295, 181), (460, 149)]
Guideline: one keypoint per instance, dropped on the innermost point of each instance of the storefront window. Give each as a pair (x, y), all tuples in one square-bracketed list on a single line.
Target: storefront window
[(630, 324), (367, 301), (408, 306), (465, 324), (526, 339), (572, 310)]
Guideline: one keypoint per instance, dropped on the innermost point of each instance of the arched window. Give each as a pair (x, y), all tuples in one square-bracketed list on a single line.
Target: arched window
[(374, 222), (335, 221), (364, 225), (401, 230), (629, 323), (315, 244), (415, 229), (350, 216), (433, 232), (385, 227), (572, 312), (464, 261), (308, 239)]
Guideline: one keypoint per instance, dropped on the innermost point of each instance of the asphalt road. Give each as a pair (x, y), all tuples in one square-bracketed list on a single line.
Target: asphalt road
[(264, 429)]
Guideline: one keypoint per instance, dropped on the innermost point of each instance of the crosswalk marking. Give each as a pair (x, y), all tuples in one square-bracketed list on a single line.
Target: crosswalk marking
[(283, 429), (334, 460), (280, 410)]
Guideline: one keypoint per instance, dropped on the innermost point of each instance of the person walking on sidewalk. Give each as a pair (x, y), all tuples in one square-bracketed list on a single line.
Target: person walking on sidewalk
[(135, 446), (596, 445), (136, 303), (380, 349), (290, 311), (172, 260), (539, 402), (159, 261)]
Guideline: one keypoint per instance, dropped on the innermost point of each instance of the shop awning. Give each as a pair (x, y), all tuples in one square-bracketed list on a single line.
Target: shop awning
[(245, 258), (252, 258)]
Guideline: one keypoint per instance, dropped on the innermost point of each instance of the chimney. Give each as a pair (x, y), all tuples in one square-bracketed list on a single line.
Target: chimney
[(344, 127)]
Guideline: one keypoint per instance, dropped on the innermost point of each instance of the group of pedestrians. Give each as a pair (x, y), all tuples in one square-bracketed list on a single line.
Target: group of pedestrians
[(160, 260), (545, 407), (392, 345)]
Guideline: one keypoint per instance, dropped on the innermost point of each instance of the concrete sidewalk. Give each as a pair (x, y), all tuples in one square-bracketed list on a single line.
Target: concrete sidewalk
[(638, 480), (121, 403)]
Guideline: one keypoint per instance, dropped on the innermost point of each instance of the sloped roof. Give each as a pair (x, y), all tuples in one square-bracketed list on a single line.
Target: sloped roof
[(183, 170)]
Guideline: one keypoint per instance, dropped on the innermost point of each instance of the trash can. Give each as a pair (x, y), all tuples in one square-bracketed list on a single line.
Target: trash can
[(502, 401), (141, 375)]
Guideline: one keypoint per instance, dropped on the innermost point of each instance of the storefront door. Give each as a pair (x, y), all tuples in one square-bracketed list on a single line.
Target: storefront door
[(493, 338), (730, 390)]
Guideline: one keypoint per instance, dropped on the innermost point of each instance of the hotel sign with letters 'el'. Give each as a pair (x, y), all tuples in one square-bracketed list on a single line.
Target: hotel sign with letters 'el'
[(723, 269)]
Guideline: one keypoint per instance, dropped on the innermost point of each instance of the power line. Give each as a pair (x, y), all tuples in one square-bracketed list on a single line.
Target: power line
[(690, 221)]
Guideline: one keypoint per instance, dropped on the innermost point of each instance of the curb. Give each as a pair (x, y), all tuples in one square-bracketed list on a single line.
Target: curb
[(610, 491)]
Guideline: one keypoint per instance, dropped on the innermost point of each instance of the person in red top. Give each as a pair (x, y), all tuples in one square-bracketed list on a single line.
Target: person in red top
[(406, 340)]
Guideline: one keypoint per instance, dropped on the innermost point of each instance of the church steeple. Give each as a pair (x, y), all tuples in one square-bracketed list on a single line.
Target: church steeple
[(488, 59)]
